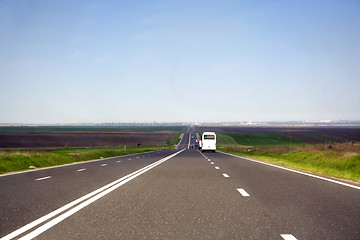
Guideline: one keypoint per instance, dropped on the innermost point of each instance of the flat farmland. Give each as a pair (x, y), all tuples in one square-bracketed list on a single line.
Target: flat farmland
[(27, 147), (87, 136), (299, 135)]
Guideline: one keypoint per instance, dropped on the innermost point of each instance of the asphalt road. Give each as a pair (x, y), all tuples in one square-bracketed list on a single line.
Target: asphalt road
[(175, 194)]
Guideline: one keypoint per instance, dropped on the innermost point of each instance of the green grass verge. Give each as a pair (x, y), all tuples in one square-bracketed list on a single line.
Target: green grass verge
[(18, 160), (340, 164), (175, 140), (224, 139), (255, 139), (323, 139)]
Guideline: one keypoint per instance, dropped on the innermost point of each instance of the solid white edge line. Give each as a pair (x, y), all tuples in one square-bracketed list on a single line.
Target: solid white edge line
[(43, 178), (75, 202), (288, 237), (243, 192), (295, 171)]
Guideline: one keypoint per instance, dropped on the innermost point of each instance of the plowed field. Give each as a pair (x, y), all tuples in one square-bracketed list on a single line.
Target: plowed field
[(83, 139)]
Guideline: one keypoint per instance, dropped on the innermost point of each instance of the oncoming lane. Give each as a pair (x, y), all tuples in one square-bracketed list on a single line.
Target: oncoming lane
[(67, 210), (28, 196)]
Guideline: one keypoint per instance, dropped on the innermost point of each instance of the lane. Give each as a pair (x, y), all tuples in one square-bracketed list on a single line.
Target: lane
[(28, 196), (184, 143), (313, 208), (80, 203)]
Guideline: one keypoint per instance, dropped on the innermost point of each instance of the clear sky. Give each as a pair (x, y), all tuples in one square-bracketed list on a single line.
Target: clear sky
[(171, 61)]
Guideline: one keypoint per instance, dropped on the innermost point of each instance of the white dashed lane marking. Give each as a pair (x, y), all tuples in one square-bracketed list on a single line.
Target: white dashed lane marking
[(103, 165), (81, 169), (243, 192), (288, 237), (43, 178), (217, 168), (225, 175)]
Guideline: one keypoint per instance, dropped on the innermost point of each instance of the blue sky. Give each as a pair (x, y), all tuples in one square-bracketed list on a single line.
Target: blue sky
[(171, 61)]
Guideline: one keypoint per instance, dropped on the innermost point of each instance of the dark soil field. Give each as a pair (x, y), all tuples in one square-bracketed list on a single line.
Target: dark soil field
[(83, 139), (309, 135)]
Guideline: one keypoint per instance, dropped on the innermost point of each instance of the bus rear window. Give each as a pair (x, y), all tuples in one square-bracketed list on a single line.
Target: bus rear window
[(209, 137)]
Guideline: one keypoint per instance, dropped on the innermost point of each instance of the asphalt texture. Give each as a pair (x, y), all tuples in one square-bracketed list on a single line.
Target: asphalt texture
[(192, 195)]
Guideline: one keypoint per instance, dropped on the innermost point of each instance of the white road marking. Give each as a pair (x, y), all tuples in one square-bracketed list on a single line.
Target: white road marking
[(43, 178), (189, 140), (212, 163), (81, 169), (243, 192), (129, 159), (217, 168), (225, 175), (209, 160), (103, 165), (295, 171), (85, 200), (288, 237), (118, 161)]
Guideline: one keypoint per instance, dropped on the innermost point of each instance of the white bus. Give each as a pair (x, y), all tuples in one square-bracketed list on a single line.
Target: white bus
[(208, 141)]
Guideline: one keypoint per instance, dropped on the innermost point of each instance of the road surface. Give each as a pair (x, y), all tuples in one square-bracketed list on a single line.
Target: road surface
[(175, 194)]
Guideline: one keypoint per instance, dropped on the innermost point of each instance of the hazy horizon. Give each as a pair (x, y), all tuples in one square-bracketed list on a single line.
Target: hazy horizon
[(179, 61), (243, 123)]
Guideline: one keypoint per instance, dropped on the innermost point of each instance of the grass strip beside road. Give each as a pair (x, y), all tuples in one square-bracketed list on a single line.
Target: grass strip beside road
[(255, 139), (175, 140), (18, 160), (341, 160)]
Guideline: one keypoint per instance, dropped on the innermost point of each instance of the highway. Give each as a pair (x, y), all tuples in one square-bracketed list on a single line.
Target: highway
[(176, 194)]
